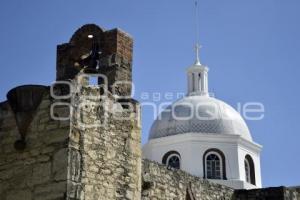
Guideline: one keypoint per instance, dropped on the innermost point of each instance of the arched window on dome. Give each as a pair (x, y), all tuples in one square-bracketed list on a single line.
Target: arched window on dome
[(172, 159), (249, 170), (214, 164)]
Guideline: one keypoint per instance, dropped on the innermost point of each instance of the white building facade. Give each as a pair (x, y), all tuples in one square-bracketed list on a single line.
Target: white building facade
[(205, 137)]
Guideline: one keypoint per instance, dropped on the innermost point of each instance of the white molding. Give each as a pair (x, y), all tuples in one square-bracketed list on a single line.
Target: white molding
[(207, 137)]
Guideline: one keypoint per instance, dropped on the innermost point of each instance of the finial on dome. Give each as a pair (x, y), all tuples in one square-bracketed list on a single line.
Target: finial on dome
[(197, 73), (197, 49)]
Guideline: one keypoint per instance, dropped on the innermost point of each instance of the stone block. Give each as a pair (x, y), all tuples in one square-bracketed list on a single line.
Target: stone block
[(60, 165), (51, 191), (19, 195), (41, 173)]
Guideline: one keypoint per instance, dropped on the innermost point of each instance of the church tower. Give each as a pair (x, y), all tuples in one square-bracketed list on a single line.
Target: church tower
[(78, 139), (105, 120)]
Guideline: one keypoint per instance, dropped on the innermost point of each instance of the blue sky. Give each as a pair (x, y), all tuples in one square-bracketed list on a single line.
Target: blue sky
[(251, 47)]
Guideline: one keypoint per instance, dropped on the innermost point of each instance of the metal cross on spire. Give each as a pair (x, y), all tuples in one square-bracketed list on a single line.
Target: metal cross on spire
[(197, 47)]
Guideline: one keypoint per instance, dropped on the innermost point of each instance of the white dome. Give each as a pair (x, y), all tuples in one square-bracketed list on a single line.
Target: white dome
[(199, 114)]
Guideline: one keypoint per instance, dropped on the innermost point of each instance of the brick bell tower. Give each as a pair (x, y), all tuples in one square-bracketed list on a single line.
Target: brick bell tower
[(114, 49)]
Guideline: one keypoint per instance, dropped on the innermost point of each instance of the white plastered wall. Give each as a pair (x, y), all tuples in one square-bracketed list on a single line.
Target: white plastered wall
[(192, 146)]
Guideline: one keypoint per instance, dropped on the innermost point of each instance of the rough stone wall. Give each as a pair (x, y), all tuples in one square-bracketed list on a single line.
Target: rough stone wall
[(272, 193), (159, 182), (110, 154), (291, 193), (39, 172), (77, 162)]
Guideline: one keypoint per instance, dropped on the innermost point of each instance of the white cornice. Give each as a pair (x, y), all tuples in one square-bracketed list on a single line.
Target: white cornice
[(207, 138)]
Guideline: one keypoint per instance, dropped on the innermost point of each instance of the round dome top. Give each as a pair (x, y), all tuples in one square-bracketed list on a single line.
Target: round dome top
[(199, 114)]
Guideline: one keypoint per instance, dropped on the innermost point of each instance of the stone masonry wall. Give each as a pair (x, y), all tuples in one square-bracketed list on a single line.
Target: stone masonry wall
[(291, 193), (272, 193), (39, 172), (78, 162), (159, 182), (110, 154)]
